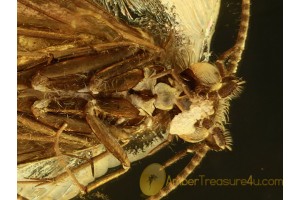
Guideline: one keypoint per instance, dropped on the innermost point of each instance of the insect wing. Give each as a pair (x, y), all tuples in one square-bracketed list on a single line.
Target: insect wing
[(197, 20)]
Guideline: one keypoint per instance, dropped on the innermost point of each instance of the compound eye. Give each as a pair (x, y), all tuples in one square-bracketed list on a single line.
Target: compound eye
[(206, 73)]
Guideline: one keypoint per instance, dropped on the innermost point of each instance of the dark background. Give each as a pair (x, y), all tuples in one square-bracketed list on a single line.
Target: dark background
[(255, 117)]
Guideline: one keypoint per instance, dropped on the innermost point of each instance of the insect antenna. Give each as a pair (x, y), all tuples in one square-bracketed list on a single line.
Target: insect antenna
[(232, 57)]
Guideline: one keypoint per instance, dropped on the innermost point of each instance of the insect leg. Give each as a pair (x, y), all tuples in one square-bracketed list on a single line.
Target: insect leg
[(102, 133), (200, 151), (32, 124), (40, 111), (60, 157), (109, 79), (88, 160), (63, 162), (105, 179), (175, 158), (65, 175), (35, 139)]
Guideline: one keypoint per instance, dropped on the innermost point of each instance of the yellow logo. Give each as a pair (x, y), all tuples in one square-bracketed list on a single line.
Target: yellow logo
[(152, 179)]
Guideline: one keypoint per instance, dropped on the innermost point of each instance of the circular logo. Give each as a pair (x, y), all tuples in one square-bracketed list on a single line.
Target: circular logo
[(152, 179)]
